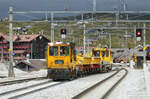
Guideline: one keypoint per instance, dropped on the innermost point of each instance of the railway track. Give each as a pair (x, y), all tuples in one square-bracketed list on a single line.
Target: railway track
[(103, 88), (4, 83), (19, 92), (2, 76)]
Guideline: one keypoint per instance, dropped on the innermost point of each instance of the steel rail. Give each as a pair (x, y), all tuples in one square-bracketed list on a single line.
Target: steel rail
[(36, 90), (114, 86), (23, 88), (20, 81), (96, 85)]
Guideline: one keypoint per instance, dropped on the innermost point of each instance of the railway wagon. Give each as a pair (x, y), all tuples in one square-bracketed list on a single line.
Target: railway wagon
[(86, 64), (63, 63)]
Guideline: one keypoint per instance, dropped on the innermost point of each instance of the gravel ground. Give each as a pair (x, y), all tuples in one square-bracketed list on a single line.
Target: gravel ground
[(20, 85), (132, 87), (26, 90), (20, 73), (100, 91), (68, 89)]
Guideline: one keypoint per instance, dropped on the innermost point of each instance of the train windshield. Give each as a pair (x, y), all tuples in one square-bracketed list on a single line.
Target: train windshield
[(107, 53), (53, 51), (103, 53), (96, 53), (64, 50)]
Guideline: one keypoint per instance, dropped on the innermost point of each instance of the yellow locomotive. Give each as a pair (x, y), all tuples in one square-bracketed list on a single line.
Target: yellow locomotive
[(61, 59), (63, 63), (105, 55)]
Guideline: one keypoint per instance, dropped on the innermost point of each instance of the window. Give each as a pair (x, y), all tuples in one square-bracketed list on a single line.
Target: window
[(64, 51), (107, 53), (53, 51), (103, 53), (96, 53)]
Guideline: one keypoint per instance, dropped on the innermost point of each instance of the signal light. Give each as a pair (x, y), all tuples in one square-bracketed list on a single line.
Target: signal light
[(138, 32), (63, 31)]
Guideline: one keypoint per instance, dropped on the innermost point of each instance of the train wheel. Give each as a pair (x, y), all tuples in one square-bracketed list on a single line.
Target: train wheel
[(71, 78), (80, 74), (48, 76), (107, 69), (76, 74), (110, 67)]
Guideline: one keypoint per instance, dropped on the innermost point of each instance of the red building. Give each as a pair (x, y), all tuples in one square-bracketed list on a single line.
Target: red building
[(32, 45)]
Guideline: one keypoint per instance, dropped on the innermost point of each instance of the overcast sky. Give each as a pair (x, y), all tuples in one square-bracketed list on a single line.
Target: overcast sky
[(21, 5)]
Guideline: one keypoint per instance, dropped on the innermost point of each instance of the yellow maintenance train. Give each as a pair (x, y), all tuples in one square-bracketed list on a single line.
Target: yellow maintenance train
[(63, 63)]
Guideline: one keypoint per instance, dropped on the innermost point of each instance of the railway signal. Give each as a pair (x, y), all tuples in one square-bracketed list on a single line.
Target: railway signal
[(138, 32), (63, 31)]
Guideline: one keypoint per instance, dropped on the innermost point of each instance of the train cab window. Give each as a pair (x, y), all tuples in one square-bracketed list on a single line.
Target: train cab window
[(96, 53), (64, 50), (148, 49), (53, 51), (103, 53), (107, 53)]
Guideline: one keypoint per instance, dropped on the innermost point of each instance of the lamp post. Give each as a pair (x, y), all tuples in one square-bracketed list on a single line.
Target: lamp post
[(84, 43), (52, 27)]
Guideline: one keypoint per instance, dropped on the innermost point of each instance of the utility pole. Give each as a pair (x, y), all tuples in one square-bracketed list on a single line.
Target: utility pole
[(2, 54), (94, 9), (65, 5), (144, 43), (31, 51), (94, 5), (126, 31), (82, 16), (52, 27), (134, 36), (146, 68), (10, 69), (46, 17), (84, 43), (109, 40), (117, 15)]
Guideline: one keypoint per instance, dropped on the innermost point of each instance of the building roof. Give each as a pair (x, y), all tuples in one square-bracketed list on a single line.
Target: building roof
[(22, 38), (4, 36), (27, 38)]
